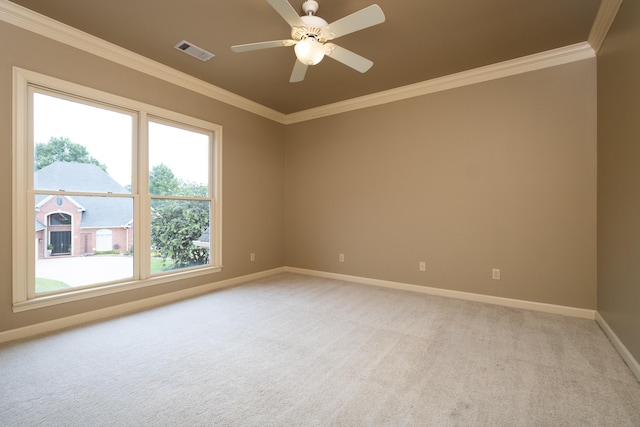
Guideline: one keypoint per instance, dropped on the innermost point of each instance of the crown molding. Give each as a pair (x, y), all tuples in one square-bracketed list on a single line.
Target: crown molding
[(604, 19), (551, 58), (52, 29)]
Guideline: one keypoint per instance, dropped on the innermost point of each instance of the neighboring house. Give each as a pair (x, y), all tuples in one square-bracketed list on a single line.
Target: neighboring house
[(203, 241), (81, 225)]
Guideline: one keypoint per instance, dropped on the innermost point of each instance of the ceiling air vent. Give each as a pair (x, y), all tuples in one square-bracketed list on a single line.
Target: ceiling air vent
[(194, 50)]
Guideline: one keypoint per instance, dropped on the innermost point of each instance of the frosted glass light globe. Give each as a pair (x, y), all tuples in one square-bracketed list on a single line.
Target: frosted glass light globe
[(309, 51)]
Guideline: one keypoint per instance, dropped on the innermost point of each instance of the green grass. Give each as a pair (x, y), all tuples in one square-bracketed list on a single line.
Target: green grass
[(46, 285), (158, 265)]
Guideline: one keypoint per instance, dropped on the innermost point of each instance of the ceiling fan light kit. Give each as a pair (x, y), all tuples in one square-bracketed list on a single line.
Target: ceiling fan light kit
[(309, 51), (310, 35)]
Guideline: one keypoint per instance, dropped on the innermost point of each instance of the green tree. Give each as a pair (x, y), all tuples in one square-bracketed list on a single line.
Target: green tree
[(192, 189), (177, 223), (62, 149), (162, 181), (174, 227)]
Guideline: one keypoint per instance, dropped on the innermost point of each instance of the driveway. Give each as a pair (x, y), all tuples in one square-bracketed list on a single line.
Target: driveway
[(82, 271)]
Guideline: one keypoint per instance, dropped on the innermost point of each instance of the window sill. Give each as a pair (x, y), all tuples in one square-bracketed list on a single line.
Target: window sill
[(93, 292)]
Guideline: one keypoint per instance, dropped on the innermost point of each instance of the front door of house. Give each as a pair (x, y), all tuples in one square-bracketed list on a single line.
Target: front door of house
[(61, 241)]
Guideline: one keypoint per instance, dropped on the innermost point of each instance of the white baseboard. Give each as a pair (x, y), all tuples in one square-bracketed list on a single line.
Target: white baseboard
[(127, 308), (626, 355), (135, 306), (507, 302)]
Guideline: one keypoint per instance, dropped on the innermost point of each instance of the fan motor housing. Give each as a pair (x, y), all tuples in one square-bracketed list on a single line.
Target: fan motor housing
[(315, 27)]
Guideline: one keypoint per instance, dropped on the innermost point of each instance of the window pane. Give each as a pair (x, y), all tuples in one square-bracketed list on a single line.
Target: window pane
[(178, 161), (72, 140), (82, 240), (59, 218), (177, 233)]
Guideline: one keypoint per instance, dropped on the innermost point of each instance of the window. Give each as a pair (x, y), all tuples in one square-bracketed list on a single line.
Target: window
[(121, 193), (59, 218)]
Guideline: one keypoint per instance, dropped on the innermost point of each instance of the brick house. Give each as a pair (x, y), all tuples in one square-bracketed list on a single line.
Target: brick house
[(81, 225)]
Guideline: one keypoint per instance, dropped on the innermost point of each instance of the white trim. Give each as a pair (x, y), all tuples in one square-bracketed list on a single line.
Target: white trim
[(54, 30), (626, 355), (604, 19), (20, 180), (24, 297), (127, 308), (506, 302), (47, 27), (551, 58)]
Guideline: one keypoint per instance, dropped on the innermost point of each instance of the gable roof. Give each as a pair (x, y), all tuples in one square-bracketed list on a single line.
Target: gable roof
[(83, 177), (72, 176)]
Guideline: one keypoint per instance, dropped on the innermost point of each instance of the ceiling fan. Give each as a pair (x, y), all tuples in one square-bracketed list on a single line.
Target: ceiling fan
[(310, 36)]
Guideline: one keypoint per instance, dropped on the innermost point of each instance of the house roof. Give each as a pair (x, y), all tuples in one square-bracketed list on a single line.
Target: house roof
[(82, 177), (106, 211), (71, 176), (205, 236), (418, 42), (203, 241)]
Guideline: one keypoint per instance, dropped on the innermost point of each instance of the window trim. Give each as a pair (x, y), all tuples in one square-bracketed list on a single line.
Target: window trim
[(23, 260)]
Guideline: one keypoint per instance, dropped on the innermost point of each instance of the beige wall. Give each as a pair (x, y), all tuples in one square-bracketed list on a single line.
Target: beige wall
[(619, 177), (494, 175), (253, 166)]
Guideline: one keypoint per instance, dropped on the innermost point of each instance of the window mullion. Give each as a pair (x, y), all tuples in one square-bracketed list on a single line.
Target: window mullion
[(141, 172), (39, 192)]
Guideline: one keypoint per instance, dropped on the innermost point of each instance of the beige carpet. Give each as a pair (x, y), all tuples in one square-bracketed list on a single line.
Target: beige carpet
[(297, 350)]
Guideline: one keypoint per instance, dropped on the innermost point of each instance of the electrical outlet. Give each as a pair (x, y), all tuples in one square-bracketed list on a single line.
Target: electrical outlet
[(495, 274), (253, 256), (341, 258), (423, 266)]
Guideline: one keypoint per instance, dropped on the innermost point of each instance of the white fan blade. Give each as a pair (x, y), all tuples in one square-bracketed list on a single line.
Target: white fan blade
[(299, 71), (287, 12), (364, 18), (262, 45), (348, 58)]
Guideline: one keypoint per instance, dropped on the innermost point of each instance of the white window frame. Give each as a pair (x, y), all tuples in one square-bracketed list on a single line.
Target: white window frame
[(23, 233)]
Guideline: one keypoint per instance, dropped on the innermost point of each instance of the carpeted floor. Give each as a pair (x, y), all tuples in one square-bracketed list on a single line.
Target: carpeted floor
[(297, 350)]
